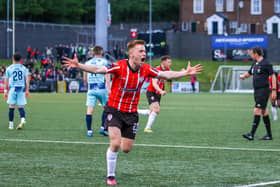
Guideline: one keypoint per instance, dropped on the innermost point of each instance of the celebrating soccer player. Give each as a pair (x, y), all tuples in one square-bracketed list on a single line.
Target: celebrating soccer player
[(154, 92), (128, 78)]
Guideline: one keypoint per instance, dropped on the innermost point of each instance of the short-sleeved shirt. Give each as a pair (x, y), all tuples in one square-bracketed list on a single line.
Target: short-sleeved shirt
[(126, 84), (160, 82), (261, 72), (96, 81), (16, 74)]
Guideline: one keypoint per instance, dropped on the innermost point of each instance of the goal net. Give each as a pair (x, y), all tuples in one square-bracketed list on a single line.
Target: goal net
[(227, 80)]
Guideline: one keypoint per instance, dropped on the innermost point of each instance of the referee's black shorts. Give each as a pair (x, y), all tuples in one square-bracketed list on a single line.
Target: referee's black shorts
[(261, 96), (153, 97)]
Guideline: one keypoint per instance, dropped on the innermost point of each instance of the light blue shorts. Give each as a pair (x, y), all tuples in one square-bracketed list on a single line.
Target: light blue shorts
[(100, 95), (16, 96)]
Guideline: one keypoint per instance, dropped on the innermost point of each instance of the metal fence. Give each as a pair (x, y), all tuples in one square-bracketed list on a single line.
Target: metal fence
[(39, 35)]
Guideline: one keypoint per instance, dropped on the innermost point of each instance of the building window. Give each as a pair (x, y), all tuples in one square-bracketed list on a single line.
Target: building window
[(256, 7), (243, 27), (184, 26), (277, 6), (230, 5), (219, 5), (198, 6), (233, 27)]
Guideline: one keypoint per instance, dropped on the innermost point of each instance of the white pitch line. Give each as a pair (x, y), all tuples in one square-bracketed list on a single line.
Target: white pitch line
[(144, 145), (260, 184)]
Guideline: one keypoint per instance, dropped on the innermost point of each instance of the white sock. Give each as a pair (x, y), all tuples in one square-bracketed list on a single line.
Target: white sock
[(151, 120), (111, 162), (22, 119), (144, 112), (274, 111), (11, 124)]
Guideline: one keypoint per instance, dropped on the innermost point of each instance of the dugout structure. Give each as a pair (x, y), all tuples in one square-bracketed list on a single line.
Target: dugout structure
[(227, 80)]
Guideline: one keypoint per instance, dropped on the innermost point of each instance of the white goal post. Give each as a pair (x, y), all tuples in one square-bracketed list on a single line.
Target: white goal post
[(227, 80)]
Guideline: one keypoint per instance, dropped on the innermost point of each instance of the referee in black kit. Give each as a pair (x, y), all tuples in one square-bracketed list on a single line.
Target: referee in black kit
[(261, 69)]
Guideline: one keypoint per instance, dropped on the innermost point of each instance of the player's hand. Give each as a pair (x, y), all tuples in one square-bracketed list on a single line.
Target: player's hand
[(242, 76), (273, 95), (27, 94), (193, 70), (162, 92), (71, 63)]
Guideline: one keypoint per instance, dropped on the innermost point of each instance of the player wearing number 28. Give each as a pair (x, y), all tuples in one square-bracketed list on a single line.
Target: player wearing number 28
[(16, 89)]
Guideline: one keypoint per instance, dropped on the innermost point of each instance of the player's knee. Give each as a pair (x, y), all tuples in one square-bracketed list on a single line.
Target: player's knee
[(126, 150), (257, 111), (157, 110)]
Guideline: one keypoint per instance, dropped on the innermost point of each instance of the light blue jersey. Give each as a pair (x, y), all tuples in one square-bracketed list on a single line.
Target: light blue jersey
[(97, 88), (16, 73)]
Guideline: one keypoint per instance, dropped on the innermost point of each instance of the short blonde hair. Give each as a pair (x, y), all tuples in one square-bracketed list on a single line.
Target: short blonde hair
[(133, 43)]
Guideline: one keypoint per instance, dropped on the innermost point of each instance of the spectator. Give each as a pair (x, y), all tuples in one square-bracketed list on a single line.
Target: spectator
[(193, 79)]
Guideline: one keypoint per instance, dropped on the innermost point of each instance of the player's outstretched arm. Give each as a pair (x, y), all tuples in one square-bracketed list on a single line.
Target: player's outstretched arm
[(74, 63), (185, 72)]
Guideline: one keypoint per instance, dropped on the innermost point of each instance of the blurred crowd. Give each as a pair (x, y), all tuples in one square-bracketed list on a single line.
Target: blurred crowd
[(47, 64)]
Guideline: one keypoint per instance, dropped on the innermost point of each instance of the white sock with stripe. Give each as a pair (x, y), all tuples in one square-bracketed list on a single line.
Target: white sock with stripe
[(111, 162), (151, 119), (144, 112)]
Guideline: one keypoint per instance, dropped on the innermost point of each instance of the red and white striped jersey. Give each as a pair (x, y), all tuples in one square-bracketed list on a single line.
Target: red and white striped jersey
[(277, 82), (160, 82), (126, 85)]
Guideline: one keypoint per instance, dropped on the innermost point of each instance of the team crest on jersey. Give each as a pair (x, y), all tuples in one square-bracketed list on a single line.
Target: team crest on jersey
[(141, 79), (109, 117)]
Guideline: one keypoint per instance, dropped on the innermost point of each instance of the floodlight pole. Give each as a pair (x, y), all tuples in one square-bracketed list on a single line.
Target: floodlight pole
[(101, 26), (8, 29), (150, 31), (13, 26)]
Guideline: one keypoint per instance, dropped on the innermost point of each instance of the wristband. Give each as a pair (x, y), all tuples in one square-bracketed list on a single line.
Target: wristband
[(274, 89), (5, 90)]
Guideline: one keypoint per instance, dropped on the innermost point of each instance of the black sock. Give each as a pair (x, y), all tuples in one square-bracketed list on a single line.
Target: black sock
[(11, 114), (21, 112), (266, 121), (88, 120), (255, 124)]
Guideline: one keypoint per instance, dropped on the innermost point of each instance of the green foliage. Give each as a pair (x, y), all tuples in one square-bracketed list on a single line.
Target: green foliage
[(3, 9), (83, 11), (163, 10)]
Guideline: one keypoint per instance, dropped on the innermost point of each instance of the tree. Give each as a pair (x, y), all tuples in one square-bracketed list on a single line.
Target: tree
[(83, 11)]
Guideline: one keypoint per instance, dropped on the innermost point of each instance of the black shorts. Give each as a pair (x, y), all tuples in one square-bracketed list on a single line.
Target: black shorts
[(126, 122), (261, 96), (153, 97)]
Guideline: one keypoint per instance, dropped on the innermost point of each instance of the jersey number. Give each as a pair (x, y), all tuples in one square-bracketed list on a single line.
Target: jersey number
[(17, 75)]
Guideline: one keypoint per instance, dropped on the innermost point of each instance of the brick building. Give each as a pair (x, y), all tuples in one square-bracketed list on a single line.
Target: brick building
[(219, 17)]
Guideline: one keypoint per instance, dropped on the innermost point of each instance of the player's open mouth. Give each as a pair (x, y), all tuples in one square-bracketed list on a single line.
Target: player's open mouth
[(143, 59)]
